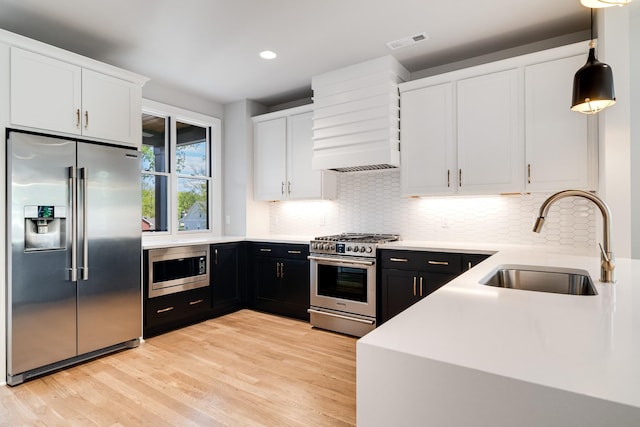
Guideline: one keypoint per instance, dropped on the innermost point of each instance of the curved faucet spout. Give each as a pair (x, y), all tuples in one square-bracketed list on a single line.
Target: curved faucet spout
[(607, 260)]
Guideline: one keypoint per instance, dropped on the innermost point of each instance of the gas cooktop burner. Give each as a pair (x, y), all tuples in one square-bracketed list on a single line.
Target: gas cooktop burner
[(350, 244)]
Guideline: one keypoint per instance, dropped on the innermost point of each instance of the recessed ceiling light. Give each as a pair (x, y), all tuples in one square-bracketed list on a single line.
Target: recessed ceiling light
[(267, 54)]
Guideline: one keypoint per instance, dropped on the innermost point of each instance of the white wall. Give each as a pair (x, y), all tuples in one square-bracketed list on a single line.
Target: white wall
[(615, 138), (242, 216), (634, 57)]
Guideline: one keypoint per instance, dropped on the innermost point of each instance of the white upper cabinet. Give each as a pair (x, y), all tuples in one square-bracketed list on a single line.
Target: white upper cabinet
[(283, 148), (58, 96), (45, 92), (427, 151), (559, 150), (489, 140), (501, 127), (270, 154)]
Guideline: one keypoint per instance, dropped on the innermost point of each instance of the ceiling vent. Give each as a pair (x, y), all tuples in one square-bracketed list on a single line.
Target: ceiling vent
[(407, 41)]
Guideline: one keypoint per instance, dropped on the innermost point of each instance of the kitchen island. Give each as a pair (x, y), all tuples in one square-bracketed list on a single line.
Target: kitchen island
[(471, 354)]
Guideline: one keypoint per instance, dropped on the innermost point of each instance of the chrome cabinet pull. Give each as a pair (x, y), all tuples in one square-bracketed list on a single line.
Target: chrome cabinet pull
[(448, 178), (282, 270), (398, 260), (78, 118), (265, 250), (529, 173), (215, 251), (294, 252), (289, 187), (460, 177), (282, 188), (414, 286), (164, 310), (438, 262), (86, 119), (469, 266), (421, 287), (198, 301)]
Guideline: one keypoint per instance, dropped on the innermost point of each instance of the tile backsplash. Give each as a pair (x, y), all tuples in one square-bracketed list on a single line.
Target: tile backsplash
[(371, 202)]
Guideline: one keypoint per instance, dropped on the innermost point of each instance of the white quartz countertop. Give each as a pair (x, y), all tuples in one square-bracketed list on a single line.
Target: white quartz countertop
[(584, 344)]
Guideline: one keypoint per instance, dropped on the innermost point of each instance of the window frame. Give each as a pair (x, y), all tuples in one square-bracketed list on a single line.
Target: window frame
[(213, 126)]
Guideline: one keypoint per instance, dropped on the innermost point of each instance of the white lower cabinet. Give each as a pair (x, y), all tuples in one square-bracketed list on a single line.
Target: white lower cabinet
[(503, 127), (55, 95), (283, 148)]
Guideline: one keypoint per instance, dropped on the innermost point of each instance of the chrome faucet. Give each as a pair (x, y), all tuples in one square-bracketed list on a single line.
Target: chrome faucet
[(607, 260)]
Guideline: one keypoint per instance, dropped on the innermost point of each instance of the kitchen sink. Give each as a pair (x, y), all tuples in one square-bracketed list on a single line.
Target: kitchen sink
[(542, 279)]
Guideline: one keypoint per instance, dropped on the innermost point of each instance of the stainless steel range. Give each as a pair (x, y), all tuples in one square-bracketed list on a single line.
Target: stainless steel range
[(343, 281)]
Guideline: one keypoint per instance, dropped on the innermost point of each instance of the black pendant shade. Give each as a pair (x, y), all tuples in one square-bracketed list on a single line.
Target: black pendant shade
[(593, 86)]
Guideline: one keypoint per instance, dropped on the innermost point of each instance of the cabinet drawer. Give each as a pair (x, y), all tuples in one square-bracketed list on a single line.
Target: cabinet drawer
[(178, 306), (439, 262), (277, 250)]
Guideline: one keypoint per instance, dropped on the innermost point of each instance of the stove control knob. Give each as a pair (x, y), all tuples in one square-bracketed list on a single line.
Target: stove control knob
[(348, 248), (356, 249), (325, 246), (362, 249), (314, 246), (369, 249)]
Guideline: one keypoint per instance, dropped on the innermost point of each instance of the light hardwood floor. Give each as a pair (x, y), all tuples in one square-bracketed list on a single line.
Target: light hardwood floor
[(243, 369)]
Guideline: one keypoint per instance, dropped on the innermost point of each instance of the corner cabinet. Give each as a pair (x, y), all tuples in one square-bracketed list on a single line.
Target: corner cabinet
[(501, 127), (59, 96), (406, 277), (283, 149), (227, 277)]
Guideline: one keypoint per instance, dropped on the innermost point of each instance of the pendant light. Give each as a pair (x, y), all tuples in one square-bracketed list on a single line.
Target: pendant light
[(593, 84), (604, 3)]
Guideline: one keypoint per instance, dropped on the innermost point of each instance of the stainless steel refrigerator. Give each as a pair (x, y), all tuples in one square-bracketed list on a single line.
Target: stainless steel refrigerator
[(73, 252)]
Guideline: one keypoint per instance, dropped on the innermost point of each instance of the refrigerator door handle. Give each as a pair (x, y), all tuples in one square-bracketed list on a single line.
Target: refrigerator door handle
[(73, 192), (84, 177)]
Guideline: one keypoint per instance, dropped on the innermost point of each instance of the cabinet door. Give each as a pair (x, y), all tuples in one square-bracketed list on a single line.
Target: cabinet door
[(270, 153), (109, 108), (490, 143), (399, 291), (225, 277), (557, 145), (295, 290), (45, 92), (267, 280), (302, 181), (427, 146)]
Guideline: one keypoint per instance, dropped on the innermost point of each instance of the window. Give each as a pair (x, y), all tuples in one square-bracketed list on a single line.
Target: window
[(180, 171)]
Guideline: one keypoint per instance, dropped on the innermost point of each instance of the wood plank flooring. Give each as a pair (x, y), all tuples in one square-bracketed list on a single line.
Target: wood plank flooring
[(243, 369)]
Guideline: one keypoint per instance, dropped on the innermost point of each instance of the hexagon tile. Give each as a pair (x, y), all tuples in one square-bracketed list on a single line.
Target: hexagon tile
[(371, 202)]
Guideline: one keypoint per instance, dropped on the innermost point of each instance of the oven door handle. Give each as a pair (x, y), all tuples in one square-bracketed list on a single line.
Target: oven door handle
[(335, 261), (339, 316)]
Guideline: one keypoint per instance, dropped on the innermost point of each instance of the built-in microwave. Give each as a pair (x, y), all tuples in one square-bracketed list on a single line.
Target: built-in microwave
[(177, 269)]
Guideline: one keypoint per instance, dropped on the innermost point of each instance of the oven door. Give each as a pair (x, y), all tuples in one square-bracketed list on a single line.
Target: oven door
[(344, 285)]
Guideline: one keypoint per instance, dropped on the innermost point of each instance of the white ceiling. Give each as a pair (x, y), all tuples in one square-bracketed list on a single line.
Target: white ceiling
[(210, 48)]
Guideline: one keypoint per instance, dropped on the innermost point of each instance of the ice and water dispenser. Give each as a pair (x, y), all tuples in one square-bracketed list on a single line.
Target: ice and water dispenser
[(44, 227)]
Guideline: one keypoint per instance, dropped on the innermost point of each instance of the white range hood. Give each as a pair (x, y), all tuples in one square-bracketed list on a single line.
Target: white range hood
[(356, 116)]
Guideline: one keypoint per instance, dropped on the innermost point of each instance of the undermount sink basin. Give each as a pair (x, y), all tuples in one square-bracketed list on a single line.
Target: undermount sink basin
[(542, 279)]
